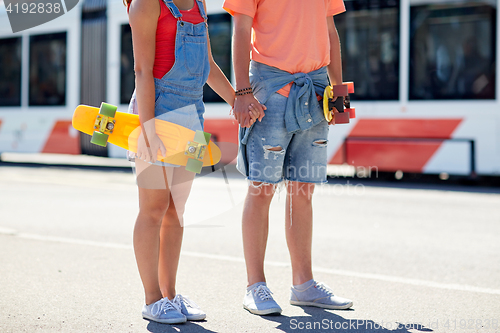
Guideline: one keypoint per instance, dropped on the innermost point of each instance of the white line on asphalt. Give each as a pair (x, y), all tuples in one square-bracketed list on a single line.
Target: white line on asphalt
[(72, 241), (380, 277)]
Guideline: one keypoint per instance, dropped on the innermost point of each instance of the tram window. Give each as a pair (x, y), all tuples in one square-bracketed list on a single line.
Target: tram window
[(10, 72), (369, 36), (452, 51), (127, 76), (219, 27), (47, 70)]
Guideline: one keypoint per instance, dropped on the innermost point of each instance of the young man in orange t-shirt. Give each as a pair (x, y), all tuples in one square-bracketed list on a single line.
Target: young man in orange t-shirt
[(293, 48)]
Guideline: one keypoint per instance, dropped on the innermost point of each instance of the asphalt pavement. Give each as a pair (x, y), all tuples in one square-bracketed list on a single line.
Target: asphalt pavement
[(413, 258)]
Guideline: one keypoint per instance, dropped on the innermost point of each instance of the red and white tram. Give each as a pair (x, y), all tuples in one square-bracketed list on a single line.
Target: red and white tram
[(425, 71)]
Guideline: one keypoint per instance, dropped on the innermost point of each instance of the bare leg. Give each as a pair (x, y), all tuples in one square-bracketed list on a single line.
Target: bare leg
[(299, 229), (153, 204), (255, 230), (170, 248), (172, 230)]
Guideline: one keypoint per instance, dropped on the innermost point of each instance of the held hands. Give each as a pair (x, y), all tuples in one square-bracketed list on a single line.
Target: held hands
[(149, 144), (247, 110)]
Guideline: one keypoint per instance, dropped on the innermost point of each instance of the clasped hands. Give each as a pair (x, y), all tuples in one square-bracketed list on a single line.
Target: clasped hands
[(247, 110)]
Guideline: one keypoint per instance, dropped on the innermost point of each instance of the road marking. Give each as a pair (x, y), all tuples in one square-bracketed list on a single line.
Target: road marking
[(73, 241), (7, 231), (369, 276)]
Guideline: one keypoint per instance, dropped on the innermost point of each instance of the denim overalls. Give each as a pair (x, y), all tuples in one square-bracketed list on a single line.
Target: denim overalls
[(179, 93)]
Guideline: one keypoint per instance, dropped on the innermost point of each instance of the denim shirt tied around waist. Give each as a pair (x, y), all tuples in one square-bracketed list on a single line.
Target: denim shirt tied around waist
[(303, 110)]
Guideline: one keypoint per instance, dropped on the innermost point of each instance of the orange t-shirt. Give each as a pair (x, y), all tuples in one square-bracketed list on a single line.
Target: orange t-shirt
[(291, 35)]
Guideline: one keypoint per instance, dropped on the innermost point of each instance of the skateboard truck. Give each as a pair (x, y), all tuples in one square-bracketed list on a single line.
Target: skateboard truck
[(337, 103), (104, 124), (195, 151)]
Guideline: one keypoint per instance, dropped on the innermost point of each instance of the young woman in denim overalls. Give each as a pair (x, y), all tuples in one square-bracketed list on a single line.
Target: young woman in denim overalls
[(163, 188)]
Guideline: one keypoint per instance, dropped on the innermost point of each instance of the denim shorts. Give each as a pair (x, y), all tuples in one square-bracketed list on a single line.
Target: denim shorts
[(300, 156)]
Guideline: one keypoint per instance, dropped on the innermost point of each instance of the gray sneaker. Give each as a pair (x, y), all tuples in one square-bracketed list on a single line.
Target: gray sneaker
[(189, 308), (319, 295), (163, 311), (258, 300)]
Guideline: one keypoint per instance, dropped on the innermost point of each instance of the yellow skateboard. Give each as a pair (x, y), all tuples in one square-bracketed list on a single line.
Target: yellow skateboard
[(185, 147), (340, 109)]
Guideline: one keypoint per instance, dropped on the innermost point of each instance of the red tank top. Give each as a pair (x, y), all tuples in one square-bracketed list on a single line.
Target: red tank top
[(165, 36), (166, 31)]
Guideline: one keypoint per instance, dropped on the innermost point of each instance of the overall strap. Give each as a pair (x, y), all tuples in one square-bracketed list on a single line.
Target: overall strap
[(202, 9), (173, 8)]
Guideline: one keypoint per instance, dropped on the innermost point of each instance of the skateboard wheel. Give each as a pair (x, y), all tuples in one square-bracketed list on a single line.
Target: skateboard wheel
[(328, 115), (200, 137), (194, 165), (326, 109), (108, 110), (99, 139), (350, 87), (352, 112)]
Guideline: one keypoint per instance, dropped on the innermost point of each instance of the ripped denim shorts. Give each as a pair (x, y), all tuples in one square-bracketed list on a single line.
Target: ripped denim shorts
[(274, 155)]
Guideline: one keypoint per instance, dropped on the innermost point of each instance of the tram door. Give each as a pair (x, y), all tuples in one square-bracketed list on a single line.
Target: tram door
[(93, 64)]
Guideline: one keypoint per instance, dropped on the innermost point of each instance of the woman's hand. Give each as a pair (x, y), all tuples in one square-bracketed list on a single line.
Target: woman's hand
[(148, 146), (254, 113)]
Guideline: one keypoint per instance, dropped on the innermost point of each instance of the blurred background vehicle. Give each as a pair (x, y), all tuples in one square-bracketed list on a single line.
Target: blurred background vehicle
[(425, 73)]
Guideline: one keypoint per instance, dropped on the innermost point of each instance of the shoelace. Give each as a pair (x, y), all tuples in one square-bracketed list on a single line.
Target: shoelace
[(324, 288), (163, 306), (179, 299), (263, 292)]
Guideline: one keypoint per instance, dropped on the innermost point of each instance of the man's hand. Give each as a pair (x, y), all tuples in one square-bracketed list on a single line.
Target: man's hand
[(332, 112), (332, 122), (255, 113)]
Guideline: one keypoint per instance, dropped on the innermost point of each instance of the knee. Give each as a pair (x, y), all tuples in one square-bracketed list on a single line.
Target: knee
[(173, 217), (301, 191), (261, 192), (154, 213)]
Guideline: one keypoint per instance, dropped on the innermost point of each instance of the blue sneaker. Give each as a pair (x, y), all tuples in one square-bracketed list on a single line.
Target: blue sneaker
[(163, 311), (189, 308), (319, 295), (258, 300)]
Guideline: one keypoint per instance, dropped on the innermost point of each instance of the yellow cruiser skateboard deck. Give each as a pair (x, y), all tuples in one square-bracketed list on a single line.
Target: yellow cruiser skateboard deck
[(185, 147), (339, 109)]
